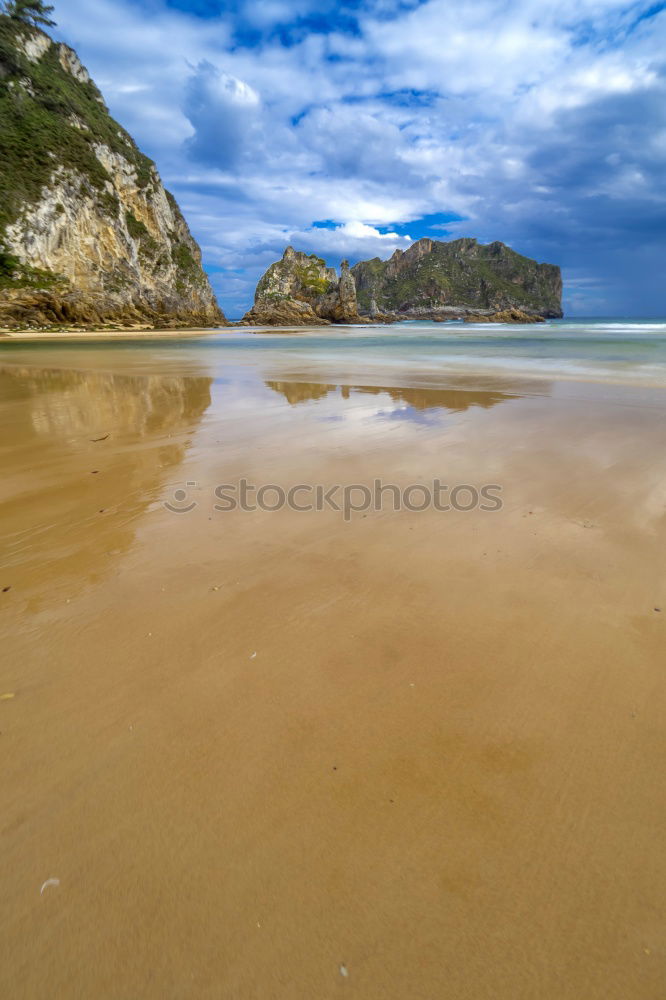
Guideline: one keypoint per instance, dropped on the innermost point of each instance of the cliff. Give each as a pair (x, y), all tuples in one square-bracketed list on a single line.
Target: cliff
[(88, 234), (433, 279), (301, 290)]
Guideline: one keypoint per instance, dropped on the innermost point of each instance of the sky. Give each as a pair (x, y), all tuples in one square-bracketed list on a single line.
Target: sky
[(352, 129)]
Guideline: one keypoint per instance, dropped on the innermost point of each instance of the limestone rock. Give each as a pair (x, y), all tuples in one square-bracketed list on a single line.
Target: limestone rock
[(88, 234), (283, 312), (432, 278), (301, 290), (505, 316)]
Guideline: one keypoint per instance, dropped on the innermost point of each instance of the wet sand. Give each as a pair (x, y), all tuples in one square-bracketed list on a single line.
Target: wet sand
[(145, 333), (277, 755)]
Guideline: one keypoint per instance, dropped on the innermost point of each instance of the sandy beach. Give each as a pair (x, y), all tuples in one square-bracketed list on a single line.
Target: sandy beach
[(84, 335), (257, 755)]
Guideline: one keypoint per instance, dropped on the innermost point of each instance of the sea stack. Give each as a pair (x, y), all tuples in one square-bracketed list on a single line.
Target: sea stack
[(439, 280), (301, 290)]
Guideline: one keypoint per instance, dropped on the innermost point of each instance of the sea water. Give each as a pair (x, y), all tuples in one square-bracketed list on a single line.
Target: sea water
[(604, 350)]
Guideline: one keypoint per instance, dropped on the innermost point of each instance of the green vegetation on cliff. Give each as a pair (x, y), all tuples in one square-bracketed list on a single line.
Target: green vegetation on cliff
[(301, 290), (88, 234), (310, 276), (461, 273), (48, 117), (14, 274)]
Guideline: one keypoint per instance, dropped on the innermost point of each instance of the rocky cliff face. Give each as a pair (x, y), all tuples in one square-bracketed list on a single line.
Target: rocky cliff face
[(88, 234), (301, 290), (438, 280)]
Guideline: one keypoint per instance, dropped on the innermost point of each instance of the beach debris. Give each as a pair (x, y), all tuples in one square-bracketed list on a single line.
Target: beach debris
[(253, 655), (214, 588), (657, 609), (5, 589), (7, 696), (344, 971), (95, 440), (47, 885), (94, 472)]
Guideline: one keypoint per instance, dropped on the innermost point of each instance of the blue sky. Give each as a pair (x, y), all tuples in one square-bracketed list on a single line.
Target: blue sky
[(353, 128)]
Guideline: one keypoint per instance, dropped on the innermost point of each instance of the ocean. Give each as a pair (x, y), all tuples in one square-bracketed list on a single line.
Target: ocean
[(608, 350)]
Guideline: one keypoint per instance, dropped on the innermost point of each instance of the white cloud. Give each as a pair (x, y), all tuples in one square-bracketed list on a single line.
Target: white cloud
[(359, 231), (354, 240), (223, 112)]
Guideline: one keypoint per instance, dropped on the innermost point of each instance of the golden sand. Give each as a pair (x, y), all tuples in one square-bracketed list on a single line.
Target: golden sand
[(277, 755)]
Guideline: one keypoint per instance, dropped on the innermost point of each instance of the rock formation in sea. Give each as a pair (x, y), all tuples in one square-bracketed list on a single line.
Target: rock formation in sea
[(88, 234), (437, 280), (301, 290), (504, 316)]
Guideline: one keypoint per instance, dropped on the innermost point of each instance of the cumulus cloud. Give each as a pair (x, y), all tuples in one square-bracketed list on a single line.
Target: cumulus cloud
[(359, 231), (540, 123), (223, 112), (353, 240)]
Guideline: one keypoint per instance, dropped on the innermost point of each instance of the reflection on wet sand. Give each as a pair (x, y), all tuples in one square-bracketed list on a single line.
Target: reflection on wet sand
[(84, 454), (453, 399), (302, 392), (420, 744)]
